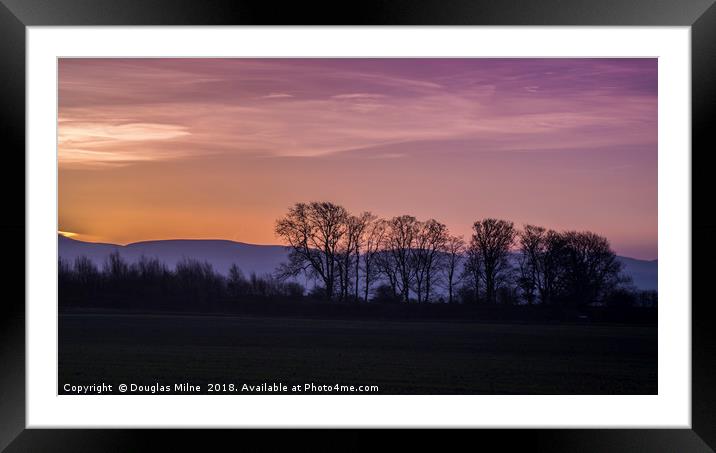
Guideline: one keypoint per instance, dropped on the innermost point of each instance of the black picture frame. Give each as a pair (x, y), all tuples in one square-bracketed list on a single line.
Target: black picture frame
[(16, 15)]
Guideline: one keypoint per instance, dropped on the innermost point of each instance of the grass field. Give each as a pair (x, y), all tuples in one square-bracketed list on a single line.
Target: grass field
[(401, 357)]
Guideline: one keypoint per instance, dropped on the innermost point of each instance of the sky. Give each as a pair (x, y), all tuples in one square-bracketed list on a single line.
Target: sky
[(220, 148)]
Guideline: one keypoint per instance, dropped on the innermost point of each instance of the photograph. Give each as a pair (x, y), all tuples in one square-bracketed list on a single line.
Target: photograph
[(357, 226)]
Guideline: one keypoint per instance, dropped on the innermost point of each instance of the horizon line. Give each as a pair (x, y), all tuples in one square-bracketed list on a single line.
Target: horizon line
[(66, 236)]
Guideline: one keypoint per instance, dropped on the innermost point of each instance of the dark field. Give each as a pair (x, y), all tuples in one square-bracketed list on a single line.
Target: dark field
[(401, 357)]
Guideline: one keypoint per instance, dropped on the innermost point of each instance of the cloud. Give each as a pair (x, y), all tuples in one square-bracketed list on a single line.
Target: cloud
[(84, 132), (358, 96), (127, 111), (277, 96), (92, 143)]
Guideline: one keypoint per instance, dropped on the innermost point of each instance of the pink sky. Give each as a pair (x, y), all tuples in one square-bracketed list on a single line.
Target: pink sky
[(219, 148)]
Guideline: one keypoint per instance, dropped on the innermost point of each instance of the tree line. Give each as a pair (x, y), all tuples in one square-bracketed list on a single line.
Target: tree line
[(149, 282), (364, 258), (405, 259)]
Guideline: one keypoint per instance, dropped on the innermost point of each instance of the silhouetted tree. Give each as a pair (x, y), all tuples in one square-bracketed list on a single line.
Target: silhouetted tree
[(551, 262), (64, 270), (314, 232), (86, 277), (372, 240), (197, 281), (492, 239), (388, 268), (532, 245), (591, 268), (152, 276), (472, 274), (117, 273), (236, 283), (399, 244), (116, 267), (349, 253), (363, 226), (453, 250), (430, 239)]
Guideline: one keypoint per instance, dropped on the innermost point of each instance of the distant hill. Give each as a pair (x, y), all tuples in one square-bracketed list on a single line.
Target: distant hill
[(643, 273), (261, 259)]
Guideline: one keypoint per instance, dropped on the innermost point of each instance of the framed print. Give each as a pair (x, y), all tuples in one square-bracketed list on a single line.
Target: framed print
[(463, 216)]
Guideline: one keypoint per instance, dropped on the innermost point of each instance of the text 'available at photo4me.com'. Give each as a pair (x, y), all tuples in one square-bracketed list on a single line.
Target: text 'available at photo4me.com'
[(186, 388)]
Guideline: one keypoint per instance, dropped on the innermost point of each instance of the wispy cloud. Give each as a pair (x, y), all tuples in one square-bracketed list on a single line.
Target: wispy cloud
[(88, 132), (93, 143), (138, 110), (358, 96), (277, 96)]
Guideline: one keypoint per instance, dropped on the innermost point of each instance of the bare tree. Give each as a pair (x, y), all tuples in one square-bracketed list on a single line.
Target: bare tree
[(236, 283), (453, 250), (349, 254), (591, 268), (313, 232), (532, 246), (472, 272), (358, 228), (387, 267), (430, 238), (577, 268), (492, 239), (551, 264), (344, 258), (399, 243), (86, 274), (116, 266), (372, 240)]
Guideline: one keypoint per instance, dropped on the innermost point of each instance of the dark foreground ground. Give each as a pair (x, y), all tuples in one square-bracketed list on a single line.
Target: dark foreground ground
[(400, 357)]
